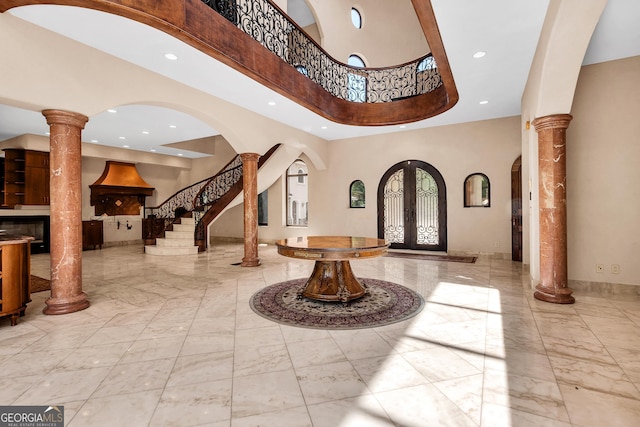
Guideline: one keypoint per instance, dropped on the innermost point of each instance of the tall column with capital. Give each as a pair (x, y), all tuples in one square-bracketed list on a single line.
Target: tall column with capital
[(250, 192), (552, 171), (65, 162)]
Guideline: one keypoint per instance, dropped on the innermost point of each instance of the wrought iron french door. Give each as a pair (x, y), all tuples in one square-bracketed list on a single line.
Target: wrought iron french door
[(412, 207)]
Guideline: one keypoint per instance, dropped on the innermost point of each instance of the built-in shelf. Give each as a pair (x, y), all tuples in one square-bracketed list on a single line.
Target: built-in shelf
[(25, 178)]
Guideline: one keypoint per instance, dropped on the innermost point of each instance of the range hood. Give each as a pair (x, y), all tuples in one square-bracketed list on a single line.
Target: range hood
[(120, 190)]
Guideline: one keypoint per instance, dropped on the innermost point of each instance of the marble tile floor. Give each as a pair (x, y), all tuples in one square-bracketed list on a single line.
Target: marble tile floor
[(173, 342)]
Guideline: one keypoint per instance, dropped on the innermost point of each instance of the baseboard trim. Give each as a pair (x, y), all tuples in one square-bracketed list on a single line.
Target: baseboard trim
[(604, 289)]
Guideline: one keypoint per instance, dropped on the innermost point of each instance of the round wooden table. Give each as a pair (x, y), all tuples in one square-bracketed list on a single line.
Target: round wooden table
[(332, 278)]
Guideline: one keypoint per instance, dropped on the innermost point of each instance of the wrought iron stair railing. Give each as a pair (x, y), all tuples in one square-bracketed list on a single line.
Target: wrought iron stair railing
[(197, 201), (220, 189), (216, 195), (161, 218)]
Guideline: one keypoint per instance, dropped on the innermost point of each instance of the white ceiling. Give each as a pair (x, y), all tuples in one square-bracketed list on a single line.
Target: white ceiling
[(507, 30)]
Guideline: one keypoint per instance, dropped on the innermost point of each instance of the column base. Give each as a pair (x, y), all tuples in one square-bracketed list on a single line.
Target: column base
[(65, 306), (553, 295), (250, 262)]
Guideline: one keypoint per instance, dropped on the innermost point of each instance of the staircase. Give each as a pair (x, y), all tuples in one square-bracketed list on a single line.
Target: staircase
[(179, 225), (179, 241)]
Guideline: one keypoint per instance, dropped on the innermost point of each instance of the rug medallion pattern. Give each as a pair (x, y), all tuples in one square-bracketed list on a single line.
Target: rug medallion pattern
[(383, 304)]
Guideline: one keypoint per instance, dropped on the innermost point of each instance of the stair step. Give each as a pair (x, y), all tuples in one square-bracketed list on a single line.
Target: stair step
[(187, 235), (184, 221), (184, 228), (174, 243), (159, 250)]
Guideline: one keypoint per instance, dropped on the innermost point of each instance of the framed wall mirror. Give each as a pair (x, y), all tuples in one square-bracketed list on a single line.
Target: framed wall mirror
[(477, 191)]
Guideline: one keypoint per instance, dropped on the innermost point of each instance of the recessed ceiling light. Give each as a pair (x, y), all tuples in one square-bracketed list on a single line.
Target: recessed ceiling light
[(180, 154), (153, 150), (94, 140), (47, 133), (125, 146), (171, 56), (145, 132), (323, 127), (122, 137), (111, 110), (479, 54), (173, 126), (403, 126), (484, 102), (272, 103)]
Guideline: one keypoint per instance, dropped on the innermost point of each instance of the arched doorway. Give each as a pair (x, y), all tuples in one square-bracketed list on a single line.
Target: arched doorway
[(516, 210), (412, 207)]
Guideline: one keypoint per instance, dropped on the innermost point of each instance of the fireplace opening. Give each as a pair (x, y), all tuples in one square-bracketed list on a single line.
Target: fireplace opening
[(34, 226)]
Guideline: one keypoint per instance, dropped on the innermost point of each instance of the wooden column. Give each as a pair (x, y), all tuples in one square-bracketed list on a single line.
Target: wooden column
[(250, 192), (66, 212), (552, 190)]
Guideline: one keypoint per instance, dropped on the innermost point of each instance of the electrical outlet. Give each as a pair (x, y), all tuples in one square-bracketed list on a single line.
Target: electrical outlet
[(599, 268), (496, 244), (615, 268)]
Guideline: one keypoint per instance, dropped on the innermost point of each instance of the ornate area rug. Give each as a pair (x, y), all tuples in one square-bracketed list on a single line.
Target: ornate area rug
[(383, 304)]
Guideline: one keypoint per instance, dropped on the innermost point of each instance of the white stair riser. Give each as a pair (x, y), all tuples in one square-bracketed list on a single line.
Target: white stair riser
[(184, 228), (178, 235), (174, 243), (158, 250)]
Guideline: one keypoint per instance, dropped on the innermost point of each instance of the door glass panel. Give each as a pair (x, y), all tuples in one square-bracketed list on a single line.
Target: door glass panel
[(394, 208), (426, 208)]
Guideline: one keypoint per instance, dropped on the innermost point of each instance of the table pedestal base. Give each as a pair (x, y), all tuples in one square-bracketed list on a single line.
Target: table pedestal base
[(333, 281)]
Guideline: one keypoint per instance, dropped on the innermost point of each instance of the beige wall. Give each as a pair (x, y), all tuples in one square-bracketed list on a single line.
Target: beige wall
[(601, 157), (549, 90), (386, 25), (603, 177), (603, 195), (456, 151), (89, 82), (166, 174), (313, 32)]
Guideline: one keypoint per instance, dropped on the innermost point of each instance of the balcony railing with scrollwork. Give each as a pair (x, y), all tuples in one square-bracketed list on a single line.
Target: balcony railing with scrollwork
[(269, 25)]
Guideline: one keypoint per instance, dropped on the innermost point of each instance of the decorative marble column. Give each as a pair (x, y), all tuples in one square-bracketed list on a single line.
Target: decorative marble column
[(250, 192), (65, 164), (552, 171)]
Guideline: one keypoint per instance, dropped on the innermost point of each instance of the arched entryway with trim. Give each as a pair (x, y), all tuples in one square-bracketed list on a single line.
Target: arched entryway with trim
[(412, 207)]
